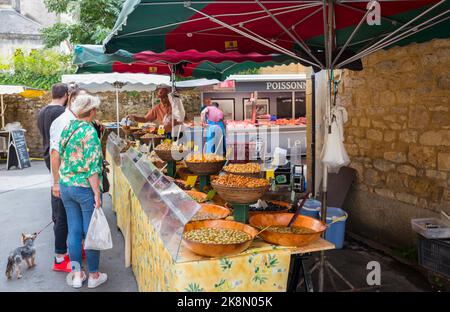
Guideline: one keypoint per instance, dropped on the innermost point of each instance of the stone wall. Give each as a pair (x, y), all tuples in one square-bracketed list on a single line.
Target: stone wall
[(398, 138), (26, 110)]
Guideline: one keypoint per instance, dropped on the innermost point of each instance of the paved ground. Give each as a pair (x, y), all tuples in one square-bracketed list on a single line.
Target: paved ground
[(352, 262), (25, 207)]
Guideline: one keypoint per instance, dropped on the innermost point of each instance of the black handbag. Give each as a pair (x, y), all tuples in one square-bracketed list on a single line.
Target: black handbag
[(105, 171)]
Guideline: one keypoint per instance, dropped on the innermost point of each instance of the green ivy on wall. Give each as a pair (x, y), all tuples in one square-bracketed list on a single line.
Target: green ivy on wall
[(39, 68)]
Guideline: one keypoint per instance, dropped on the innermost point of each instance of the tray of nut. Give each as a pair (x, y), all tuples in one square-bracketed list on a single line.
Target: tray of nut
[(237, 189), (252, 170), (218, 238), (169, 151), (204, 164)]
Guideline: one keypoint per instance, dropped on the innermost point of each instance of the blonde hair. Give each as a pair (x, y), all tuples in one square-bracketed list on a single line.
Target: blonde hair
[(84, 104)]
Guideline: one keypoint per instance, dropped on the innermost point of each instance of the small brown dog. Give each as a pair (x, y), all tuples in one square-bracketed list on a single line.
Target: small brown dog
[(25, 253)]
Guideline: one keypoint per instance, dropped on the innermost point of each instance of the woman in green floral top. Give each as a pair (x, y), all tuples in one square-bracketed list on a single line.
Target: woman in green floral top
[(80, 175)]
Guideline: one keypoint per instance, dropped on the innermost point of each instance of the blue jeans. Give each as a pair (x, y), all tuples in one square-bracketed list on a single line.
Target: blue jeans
[(79, 205)]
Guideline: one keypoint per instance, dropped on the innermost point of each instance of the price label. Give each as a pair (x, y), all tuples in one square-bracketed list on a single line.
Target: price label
[(195, 148), (168, 141), (211, 194), (191, 181), (161, 130), (270, 174)]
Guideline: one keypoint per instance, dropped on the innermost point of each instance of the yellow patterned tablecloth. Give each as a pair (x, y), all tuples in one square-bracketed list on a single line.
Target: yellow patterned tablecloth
[(122, 206), (262, 267)]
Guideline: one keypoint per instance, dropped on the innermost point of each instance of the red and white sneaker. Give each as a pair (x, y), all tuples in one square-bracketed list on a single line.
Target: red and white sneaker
[(62, 266)]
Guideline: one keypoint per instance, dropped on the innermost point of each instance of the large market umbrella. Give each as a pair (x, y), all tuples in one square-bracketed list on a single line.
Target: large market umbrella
[(322, 33), (191, 63), (13, 89), (117, 82)]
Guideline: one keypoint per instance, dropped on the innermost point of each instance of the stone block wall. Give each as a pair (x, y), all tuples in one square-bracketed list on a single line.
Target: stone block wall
[(398, 138), (26, 110)]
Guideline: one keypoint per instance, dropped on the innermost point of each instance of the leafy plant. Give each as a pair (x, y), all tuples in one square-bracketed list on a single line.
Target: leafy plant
[(194, 287), (271, 262), (225, 264), (250, 71), (258, 278), (39, 68), (94, 21), (220, 283)]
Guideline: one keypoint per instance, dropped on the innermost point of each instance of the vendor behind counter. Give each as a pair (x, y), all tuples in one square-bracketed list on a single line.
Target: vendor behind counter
[(170, 104)]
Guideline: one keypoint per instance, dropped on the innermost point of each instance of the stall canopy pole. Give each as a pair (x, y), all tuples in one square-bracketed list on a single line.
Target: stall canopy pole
[(328, 24), (117, 111), (172, 72)]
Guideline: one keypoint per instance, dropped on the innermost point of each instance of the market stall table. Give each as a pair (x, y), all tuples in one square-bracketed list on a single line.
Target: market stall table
[(263, 267)]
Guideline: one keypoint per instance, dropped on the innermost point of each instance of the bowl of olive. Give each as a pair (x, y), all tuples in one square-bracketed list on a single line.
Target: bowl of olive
[(304, 231), (218, 238)]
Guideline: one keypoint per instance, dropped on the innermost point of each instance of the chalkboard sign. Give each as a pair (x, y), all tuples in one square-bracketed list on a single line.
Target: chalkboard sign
[(17, 152)]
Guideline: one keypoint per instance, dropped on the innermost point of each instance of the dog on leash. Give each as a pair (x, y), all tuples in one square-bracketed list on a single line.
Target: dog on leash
[(25, 253)]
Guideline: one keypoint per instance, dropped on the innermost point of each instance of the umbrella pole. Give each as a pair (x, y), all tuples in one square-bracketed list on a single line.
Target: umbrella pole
[(323, 209), (172, 69), (117, 112)]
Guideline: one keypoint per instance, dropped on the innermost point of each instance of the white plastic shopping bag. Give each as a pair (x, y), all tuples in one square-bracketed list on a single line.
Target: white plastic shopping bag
[(99, 235), (334, 154), (178, 111)]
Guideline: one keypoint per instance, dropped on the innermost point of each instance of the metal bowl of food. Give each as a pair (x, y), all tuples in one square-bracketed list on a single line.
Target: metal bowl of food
[(304, 231), (218, 238)]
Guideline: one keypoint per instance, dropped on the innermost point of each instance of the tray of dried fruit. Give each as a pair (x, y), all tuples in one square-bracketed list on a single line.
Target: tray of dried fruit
[(211, 212), (218, 238), (169, 151), (252, 170), (204, 164), (237, 189), (148, 137), (304, 231), (199, 197)]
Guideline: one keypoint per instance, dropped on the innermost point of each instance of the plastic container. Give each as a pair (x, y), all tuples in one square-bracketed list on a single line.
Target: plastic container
[(280, 157), (311, 208), (434, 254), (336, 231), (431, 228)]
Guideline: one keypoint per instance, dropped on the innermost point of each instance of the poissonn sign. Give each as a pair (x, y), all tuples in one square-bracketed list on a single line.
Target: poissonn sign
[(271, 85), (286, 85)]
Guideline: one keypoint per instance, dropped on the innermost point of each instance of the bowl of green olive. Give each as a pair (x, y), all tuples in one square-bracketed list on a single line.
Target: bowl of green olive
[(218, 238)]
